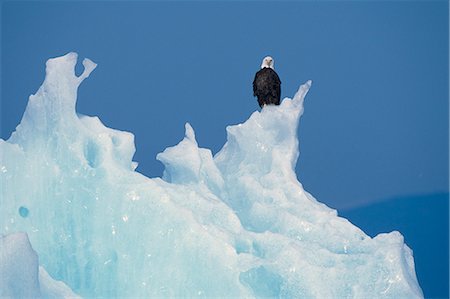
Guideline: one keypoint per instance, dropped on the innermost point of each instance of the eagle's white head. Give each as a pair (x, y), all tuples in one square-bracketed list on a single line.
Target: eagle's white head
[(267, 62)]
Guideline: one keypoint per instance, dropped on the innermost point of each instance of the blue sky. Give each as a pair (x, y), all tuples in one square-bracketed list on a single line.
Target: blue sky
[(376, 119)]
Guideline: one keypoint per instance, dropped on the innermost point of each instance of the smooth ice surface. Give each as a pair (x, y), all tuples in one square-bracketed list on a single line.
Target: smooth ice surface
[(19, 268), (237, 224), (20, 274)]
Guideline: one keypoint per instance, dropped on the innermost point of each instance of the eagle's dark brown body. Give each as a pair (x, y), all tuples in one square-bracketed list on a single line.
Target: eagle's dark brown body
[(267, 87)]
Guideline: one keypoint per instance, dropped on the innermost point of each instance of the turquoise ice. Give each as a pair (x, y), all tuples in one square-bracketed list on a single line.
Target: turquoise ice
[(236, 224)]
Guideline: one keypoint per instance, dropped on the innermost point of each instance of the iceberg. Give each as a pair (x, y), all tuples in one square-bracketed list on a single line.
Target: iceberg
[(234, 224)]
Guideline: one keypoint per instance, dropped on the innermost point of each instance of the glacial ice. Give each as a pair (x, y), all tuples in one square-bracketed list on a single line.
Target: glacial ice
[(20, 274), (237, 224)]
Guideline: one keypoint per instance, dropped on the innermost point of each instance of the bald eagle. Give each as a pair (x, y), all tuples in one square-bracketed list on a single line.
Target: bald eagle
[(267, 84)]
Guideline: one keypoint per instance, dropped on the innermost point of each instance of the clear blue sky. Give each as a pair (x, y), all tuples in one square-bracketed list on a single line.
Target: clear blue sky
[(376, 119)]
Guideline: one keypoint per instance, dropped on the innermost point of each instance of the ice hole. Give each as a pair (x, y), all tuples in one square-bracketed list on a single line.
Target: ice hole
[(92, 154)]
